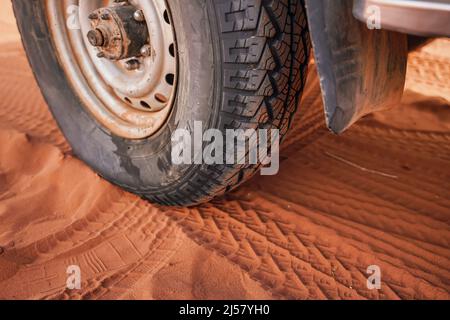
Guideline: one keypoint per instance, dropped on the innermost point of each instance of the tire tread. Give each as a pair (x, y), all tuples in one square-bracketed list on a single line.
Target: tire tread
[(265, 51)]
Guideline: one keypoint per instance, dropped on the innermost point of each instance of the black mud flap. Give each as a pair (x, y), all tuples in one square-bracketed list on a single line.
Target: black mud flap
[(360, 70)]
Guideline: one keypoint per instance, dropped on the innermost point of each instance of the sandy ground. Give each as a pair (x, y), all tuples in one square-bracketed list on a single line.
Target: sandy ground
[(378, 195)]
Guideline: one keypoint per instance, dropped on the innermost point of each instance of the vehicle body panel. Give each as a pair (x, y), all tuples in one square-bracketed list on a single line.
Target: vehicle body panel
[(417, 17)]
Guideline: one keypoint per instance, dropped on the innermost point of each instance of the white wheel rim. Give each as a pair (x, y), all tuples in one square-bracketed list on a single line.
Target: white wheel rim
[(131, 104)]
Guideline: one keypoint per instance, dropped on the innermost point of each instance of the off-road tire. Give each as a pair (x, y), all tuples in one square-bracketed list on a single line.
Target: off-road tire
[(243, 65)]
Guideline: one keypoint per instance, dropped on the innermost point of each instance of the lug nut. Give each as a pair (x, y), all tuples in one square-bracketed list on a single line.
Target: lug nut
[(146, 51), (100, 55), (93, 16), (132, 64), (105, 16), (139, 16)]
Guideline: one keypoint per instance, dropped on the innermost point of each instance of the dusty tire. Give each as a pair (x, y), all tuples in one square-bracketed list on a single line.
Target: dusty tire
[(243, 64)]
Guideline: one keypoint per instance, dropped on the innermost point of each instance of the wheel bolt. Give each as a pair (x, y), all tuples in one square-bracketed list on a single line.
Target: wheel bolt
[(132, 64), (105, 16), (93, 16), (139, 16), (146, 51)]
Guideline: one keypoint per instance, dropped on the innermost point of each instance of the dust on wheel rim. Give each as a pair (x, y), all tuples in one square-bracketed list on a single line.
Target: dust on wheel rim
[(132, 104)]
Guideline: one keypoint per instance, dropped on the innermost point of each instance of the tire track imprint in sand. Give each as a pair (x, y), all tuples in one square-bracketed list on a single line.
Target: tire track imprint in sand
[(120, 252), (308, 233)]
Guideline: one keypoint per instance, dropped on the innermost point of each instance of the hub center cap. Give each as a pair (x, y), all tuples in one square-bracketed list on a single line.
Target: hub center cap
[(118, 32)]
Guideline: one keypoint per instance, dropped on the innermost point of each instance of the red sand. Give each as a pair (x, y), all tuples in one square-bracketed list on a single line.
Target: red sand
[(378, 195)]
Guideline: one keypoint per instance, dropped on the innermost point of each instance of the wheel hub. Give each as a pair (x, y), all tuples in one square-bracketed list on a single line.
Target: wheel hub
[(118, 32)]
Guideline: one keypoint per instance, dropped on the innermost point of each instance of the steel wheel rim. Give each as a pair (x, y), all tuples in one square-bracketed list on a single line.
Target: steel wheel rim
[(130, 104)]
